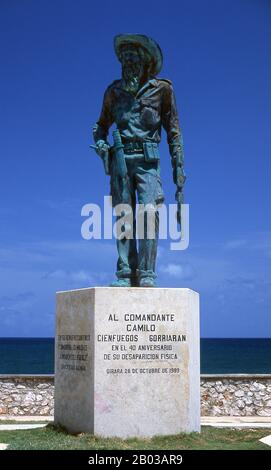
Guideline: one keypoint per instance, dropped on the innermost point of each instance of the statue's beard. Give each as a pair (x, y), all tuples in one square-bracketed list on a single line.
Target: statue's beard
[(132, 75)]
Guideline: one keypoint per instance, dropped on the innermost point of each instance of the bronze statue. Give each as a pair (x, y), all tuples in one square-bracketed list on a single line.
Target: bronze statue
[(139, 104)]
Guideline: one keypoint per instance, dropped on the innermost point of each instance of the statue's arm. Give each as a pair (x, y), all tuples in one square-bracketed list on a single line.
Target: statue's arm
[(105, 121), (101, 128), (170, 122)]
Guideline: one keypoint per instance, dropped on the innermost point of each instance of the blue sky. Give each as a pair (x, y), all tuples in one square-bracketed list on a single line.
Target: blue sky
[(56, 60)]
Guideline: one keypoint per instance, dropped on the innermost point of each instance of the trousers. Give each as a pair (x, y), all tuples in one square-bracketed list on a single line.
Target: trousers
[(137, 258)]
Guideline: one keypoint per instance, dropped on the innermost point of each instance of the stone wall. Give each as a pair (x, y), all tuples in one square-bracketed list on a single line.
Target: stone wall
[(31, 395), (236, 395), (221, 395)]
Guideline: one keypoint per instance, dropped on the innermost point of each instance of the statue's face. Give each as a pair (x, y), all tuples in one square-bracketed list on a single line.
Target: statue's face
[(132, 67), (130, 56)]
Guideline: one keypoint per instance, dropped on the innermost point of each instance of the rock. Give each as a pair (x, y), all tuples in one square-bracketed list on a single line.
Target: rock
[(204, 398), (261, 386), (39, 398), (42, 386), (248, 401), (258, 395), (249, 411), (8, 400), (44, 411), (257, 403), (254, 387), (239, 393), (264, 412), (7, 385), (28, 399), (240, 404), (3, 410), (16, 397), (215, 411)]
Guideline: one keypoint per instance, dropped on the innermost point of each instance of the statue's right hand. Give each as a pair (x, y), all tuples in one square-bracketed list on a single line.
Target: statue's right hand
[(102, 148)]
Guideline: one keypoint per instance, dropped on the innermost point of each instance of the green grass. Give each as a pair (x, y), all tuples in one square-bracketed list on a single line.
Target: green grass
[(210, 438)]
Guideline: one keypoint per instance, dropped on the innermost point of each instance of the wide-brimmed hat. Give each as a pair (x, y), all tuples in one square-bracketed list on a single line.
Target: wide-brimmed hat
[(144, 41)]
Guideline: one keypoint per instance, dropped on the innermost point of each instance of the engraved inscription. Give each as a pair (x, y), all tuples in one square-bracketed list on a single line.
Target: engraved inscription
[(73, 352)]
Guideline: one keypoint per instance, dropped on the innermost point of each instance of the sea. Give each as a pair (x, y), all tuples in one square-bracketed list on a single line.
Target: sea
[(218, 356)]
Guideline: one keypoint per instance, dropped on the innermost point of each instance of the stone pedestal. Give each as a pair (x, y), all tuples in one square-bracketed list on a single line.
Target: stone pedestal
[(127, 361)]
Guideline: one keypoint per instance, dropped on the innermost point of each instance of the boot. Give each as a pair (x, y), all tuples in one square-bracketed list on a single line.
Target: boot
[(125, 282), (147, 282)]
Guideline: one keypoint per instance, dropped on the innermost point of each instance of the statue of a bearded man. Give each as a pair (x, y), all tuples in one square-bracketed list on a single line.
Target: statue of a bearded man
[(140, 104)]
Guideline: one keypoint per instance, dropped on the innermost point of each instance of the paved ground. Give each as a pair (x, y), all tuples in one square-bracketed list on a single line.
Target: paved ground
[(236, 421), (215, 421), (12, 427), (30, 419)]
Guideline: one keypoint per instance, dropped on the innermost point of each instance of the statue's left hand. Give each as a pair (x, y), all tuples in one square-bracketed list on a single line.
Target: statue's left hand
[(102, 148)]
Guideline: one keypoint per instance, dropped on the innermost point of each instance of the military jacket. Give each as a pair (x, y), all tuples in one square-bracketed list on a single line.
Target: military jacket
[(140, 117)]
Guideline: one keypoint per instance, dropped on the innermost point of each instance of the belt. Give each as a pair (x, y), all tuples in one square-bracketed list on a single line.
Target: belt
[(133, 147)]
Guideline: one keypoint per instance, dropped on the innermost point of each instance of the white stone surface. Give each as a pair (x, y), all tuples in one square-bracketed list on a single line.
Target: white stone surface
[(3, 446), (236, 422), (13, 427), (30, 418), (266, 440), (100, 389)]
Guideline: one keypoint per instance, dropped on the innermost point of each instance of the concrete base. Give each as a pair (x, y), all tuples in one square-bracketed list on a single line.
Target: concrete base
[(127, 361)]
